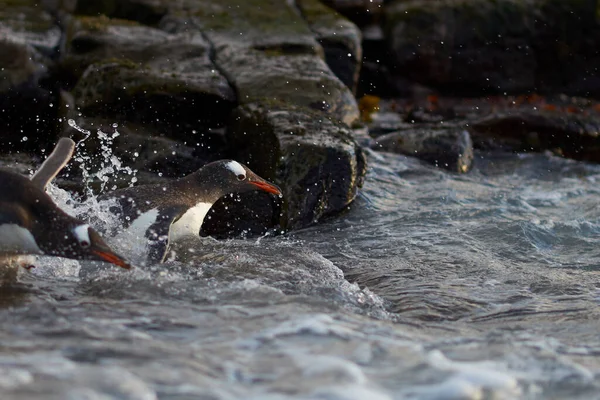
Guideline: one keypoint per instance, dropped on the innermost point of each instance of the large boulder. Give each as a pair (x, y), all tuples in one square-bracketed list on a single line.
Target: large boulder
[(145, 75), (448, 148), (340, 38), (475, 46), (574, 136), (361, 12), (314, 158), (267, 52), (29, 39)]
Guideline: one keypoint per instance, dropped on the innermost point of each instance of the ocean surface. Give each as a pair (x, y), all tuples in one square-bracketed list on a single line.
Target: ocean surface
[(431, 285)]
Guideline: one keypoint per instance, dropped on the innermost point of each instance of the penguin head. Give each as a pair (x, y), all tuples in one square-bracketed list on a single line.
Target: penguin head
[(80, 242), (230, 176)]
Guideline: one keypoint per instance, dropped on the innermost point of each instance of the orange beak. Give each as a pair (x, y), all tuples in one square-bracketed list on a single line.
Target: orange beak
[(112, 258), (266, 187)]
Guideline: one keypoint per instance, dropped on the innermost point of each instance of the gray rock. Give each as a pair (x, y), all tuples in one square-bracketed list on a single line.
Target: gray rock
[(475, 46), (268, 53), (340, 38), (145, 75), (313, 158), (28, 38), (463, 45), (451, 149), (147, 12), (27, 22), (571, 135)]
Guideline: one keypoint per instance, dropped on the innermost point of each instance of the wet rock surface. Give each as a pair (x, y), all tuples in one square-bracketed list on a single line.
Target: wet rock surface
[(29, 40), (341, 40), (451, 149), (477, 46), (174, 85), (314, 158)]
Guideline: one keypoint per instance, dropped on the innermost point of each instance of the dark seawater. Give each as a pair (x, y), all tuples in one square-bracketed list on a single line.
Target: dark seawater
[(431, 286)]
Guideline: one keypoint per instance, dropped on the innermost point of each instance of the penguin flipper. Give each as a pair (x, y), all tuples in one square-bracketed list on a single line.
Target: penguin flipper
[(55, 162), (11, 213), (158, 232)]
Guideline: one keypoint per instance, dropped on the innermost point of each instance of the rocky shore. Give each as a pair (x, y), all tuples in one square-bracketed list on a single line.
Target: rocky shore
[(295, 89)]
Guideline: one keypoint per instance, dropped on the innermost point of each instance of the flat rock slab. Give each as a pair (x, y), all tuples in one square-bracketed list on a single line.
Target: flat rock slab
[(572, 135), (451, 149), (267, 52), (147, 75)]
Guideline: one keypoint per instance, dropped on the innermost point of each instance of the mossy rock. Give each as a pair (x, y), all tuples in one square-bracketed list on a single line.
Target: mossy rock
[(255, 22), (301, 80), (146, 75), (178, 102), (267, 51), (26, 21)]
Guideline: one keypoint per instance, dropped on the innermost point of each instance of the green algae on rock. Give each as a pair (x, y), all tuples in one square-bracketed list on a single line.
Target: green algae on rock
[(266, 50)]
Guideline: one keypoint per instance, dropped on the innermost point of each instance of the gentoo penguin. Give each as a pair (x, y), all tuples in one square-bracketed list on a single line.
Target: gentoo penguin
[(30, 223), (163, 213)]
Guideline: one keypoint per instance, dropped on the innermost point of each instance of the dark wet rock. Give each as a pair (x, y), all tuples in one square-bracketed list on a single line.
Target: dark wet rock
[(340, 38), (463, 45), (387, 122), (268, 53), (314, 159), (27, 21), (451, 149), (144, 148), (572, 135), (28, 39), (148, 12), (360, 12), (145, 75), (244, 215), (475, 46)]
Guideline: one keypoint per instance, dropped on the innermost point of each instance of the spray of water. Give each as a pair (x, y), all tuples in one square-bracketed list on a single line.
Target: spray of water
[(102, 167)]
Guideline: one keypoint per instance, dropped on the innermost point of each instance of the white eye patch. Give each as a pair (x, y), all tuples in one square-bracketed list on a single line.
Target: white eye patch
[(236, 168), (82, 235)]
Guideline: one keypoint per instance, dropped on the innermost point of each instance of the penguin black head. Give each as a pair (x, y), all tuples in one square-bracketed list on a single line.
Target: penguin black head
[(31, 223), (79, 241), (229, 176)]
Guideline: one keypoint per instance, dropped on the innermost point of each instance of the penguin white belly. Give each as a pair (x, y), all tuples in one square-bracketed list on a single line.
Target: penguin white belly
[(190, 222), (15, 240)]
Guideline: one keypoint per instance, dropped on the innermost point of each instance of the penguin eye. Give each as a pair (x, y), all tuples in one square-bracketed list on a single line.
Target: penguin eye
[(84, 243), (241, 177)]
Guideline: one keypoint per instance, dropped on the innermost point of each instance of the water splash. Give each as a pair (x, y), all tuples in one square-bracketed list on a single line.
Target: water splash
[(103, 165)]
